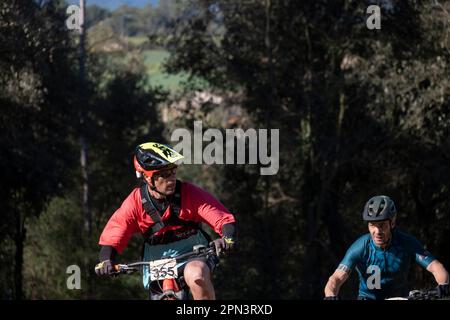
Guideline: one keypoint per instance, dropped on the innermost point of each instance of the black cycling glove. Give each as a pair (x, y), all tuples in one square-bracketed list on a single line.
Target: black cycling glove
[(227, 242), (443, 290), (223, 245), (105, 267)]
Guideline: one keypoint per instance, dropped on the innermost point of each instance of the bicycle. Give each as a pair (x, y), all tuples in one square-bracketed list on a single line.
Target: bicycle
[(419, 295), (165, 282)]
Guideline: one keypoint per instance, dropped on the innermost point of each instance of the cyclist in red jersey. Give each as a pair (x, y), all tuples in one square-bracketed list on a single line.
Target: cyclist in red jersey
[(168, 213)]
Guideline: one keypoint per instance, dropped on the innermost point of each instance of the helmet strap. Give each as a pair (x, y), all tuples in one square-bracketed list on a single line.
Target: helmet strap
[(391, 227), (153, 187), (391, 233)]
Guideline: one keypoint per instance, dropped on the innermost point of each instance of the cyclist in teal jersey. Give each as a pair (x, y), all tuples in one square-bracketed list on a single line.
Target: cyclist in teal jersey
[(383, 256)]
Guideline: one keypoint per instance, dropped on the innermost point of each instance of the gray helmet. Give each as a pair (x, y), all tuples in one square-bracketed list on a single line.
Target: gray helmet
[(379, 208)]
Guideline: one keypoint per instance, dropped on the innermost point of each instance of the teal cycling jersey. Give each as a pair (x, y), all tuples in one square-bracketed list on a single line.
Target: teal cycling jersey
[(384, 273)]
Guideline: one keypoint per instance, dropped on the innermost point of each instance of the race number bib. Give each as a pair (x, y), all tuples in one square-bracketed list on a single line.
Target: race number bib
[(163, 269)]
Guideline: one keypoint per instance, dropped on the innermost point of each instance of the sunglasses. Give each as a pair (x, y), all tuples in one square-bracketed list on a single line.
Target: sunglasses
[(166, 173)]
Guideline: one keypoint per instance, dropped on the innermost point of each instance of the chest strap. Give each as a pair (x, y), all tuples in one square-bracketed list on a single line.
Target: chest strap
[(174, 215)]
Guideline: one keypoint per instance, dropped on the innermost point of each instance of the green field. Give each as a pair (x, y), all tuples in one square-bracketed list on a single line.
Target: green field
[(154, 60)]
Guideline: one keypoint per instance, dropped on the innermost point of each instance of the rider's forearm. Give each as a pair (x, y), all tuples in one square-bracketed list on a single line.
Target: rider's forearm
[(332, 287), (335, 282), (442, 278), (439, 272), (107, 253)]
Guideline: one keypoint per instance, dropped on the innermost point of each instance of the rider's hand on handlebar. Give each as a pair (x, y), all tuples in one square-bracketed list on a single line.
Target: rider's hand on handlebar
[(443, 290), (104, 268), (223, 245)]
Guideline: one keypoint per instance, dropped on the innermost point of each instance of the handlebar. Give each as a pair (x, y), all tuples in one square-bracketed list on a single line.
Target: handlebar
[(419, 295), (197, 251), (423, 295)]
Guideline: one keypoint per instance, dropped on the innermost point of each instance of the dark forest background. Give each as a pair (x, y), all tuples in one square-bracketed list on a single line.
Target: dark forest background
[(360, 112)]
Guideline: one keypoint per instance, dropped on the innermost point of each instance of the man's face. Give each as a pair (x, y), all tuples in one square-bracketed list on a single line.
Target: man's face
[(165, 180), (381, 232)]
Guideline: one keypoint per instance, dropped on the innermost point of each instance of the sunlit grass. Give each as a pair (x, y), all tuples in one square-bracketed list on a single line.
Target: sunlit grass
[(154, 60)]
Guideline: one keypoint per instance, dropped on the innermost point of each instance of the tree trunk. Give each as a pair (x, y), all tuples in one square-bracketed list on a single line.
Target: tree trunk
[(331, 184), (83, 139), (19, 243), (311, 186), (269, 253)]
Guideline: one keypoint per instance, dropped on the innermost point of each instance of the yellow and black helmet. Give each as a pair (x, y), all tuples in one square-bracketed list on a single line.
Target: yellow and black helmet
[(151, 157)]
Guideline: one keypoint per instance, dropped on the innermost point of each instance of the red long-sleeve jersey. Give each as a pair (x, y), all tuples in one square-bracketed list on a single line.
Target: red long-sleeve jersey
[(196, 205)]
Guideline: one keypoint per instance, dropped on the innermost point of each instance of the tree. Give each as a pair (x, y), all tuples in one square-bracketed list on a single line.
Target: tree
[(40, 106), (36, 93)]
